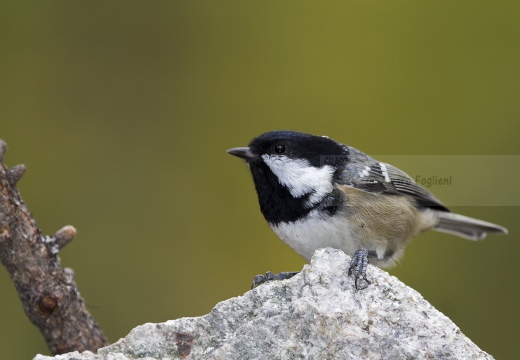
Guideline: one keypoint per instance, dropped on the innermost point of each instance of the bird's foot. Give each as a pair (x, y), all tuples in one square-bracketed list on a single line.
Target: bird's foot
[(358, 266), (260, 279)]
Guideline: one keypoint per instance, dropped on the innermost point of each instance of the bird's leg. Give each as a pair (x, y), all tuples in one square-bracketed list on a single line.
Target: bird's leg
[(260, 279), (358, 266)]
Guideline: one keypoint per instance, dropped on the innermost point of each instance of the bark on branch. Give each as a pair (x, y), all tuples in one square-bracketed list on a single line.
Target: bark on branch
[(48, 293)]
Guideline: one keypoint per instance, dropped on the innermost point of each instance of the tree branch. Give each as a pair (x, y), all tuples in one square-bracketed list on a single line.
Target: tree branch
[(48, 293)]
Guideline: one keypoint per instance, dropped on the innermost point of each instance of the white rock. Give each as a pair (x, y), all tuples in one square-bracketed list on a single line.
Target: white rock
[(315, 315)]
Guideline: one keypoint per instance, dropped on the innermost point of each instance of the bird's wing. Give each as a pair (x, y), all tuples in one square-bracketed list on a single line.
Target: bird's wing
[(380, 177)]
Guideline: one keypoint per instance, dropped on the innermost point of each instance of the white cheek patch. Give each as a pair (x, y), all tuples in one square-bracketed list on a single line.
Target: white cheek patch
[(300, 177)]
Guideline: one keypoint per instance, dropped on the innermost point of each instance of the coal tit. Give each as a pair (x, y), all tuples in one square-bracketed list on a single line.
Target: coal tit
[(315, 192)]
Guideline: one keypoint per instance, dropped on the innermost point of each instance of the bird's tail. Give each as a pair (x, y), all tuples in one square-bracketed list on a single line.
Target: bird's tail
[(466, 227)]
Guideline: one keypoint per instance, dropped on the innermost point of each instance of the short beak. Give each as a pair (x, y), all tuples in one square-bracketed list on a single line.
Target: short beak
[(242, 152)]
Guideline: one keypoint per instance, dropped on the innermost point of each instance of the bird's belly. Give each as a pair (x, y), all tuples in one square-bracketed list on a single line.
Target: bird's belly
[(318, 231)]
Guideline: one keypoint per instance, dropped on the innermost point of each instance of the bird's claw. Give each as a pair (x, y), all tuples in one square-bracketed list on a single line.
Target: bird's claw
[(269, 276), (358, 266)]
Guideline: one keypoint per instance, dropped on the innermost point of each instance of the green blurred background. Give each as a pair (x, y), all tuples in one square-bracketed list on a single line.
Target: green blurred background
[(122, 112)]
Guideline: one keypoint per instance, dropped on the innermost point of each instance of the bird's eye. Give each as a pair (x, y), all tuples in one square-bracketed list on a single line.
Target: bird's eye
[(279, 149)]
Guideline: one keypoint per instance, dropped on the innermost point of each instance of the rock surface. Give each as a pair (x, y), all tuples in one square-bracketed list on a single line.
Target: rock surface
[(315, 315)]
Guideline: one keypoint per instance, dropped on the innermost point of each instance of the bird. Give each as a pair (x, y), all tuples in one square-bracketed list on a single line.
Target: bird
[(315, 192)]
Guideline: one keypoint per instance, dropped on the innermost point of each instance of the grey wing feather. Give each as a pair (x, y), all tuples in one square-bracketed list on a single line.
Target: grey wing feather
[(380, 177)]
